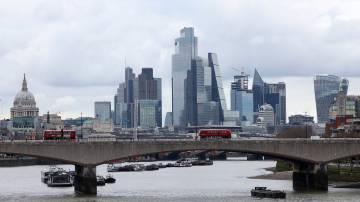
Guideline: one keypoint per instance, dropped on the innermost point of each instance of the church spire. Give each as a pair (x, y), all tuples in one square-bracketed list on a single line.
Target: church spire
[(24, 84)]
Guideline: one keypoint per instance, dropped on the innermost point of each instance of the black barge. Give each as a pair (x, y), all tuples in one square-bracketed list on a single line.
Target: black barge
[(263, 192)]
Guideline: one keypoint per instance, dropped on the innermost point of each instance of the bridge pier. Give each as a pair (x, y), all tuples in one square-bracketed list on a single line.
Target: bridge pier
[(307, 176), (85, 180)]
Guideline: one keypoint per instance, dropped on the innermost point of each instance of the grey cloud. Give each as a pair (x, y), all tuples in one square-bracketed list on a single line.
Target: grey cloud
[(83, 44)]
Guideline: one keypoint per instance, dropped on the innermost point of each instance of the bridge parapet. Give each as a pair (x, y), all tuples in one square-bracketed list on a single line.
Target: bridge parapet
[(95, 153)]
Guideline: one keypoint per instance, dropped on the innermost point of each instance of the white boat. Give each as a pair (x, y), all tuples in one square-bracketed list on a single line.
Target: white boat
[(183, 163)]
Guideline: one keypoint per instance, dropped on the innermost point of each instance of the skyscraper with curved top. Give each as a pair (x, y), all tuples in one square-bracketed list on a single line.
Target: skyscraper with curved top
[(326, 89)]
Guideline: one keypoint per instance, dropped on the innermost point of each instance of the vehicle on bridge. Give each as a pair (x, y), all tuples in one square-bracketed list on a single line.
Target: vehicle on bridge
[(215, 133), (59, 134)]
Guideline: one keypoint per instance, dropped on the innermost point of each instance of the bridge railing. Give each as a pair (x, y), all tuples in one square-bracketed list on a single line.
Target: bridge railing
[(181, 140)]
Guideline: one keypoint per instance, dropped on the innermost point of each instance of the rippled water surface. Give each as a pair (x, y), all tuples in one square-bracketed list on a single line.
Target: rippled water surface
[(224, 181)]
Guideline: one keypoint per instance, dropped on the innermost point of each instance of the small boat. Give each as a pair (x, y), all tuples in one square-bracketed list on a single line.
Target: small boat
[(263, 192), (119, 168), (100, 180), (138, 167), (202, 163), (59, 179), (162, 165), (151, 167), (126, 168), (183, 163), (113, 167), (110, 179)]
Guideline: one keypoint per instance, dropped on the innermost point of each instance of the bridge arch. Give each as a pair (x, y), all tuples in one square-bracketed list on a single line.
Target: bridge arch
[(274, 156), (96, 153)]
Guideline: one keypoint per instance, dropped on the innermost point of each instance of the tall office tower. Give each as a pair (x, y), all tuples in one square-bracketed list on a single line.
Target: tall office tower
[(216, 83), (242, 98), (148, 112), (201, 109), (341, 98), (275, 95), (185, 51), (103, 112), (147, 85), (120, 105), (326, 89), (258, 91), (129, 95)]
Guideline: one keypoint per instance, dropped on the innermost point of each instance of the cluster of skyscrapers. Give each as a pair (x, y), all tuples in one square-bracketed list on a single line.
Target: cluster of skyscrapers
[(138, 100), (198, 95)]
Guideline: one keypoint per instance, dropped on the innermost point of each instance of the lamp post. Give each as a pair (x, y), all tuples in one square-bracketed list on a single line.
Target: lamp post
[(81, 126), (0, 108)]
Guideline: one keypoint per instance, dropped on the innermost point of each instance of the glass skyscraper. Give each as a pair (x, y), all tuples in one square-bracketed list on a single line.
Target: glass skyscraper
[(185, 52), (148, 113), (103, 112), (197, 92), (216, 83), (326, 89), (242, 99), (270, 93), (258, 91), (275, 95)]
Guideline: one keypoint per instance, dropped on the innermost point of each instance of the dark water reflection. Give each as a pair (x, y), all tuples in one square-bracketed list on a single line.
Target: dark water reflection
[(225, 181)]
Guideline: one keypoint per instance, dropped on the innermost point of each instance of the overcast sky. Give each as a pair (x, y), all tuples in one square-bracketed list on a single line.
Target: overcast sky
[(73, 52)]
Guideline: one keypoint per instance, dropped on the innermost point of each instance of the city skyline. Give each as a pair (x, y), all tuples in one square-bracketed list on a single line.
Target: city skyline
[(61, 84)]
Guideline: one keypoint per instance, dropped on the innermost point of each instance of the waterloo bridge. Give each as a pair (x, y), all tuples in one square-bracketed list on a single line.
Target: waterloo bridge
[(309, 157)]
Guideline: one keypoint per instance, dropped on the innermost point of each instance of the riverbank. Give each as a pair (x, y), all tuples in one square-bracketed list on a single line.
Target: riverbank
[(282, 175), (338, 177)]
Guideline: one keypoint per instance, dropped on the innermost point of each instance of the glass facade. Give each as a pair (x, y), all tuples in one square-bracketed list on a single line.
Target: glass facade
[(242, 99), (103, 112), (148, 113), (275, 95), (198, 94), (143, 87), (270, 93), (258, 91), (208, 113), (168, 119), (217, 86), (326, 89), (185, 51)]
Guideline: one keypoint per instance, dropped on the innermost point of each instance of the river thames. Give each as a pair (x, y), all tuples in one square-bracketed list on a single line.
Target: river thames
[(224, 181)]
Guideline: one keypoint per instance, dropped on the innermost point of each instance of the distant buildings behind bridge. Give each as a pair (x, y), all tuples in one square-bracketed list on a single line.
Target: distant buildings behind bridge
[(198, 100)]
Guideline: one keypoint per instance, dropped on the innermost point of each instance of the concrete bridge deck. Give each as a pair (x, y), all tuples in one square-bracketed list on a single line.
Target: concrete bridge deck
[(96, 153), (308, 156)]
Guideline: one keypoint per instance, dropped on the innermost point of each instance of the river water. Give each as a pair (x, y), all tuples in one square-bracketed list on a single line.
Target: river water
[(224, 181)]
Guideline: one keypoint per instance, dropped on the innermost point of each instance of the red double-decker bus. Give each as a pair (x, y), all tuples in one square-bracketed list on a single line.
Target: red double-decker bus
[(59, 135), (214, 133)]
